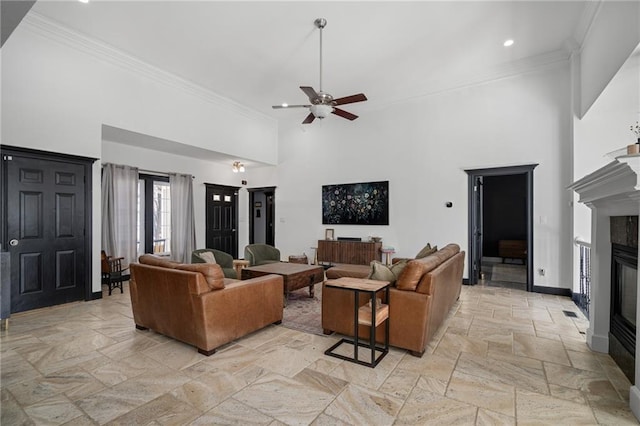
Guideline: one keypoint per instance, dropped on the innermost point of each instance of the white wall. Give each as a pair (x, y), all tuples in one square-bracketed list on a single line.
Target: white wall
[(57, 94), (604, 129), (423, 147), (613, 35)]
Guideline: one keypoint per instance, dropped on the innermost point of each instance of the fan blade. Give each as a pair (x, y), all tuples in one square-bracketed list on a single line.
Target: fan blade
[(360, 97), (312, 94), (309, 119), (290, 106), (344, 114)]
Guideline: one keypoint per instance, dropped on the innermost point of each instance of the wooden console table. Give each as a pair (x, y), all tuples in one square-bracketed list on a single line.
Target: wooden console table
[(512, 249), (352, 252)]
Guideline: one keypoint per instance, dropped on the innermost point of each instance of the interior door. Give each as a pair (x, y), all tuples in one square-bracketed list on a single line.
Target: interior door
[(270, 228), (45, 231), (222, 218), (477, 230), (262, 228)]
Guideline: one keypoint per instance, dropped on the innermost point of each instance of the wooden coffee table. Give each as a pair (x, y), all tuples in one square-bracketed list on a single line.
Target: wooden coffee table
[(295, 275)]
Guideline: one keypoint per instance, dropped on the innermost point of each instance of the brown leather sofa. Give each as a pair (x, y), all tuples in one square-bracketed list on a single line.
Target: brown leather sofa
[(195, 304), (419, 302)]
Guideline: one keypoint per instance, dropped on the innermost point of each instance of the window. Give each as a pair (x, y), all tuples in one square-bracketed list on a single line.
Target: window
[(154, 215)]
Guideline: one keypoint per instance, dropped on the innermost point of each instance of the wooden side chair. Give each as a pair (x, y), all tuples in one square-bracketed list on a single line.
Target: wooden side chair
[(113, 274)]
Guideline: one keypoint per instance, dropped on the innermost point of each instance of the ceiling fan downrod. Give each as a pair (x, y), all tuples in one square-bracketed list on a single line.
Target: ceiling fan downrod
[(320, 23)]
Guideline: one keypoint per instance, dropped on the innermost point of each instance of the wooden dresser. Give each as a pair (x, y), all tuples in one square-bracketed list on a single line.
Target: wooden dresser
[(352, 252)]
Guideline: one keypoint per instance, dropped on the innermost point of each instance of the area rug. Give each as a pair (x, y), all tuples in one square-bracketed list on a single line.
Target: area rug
[(510, 273), (303, 313)]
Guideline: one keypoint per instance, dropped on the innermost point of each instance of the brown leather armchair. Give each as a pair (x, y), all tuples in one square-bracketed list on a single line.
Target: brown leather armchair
[(195, 304)]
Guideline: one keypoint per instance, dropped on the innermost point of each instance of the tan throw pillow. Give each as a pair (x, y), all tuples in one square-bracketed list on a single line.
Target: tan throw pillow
[(207, 256), (426, 251), (410, 276), (380, 272), (212, 273)]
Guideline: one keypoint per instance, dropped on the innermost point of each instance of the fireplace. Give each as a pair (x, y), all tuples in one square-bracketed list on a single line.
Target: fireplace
[(613, 193), (624, 292)]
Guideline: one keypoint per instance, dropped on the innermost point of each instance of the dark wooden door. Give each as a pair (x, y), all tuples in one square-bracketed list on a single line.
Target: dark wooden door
[(270, 213), (45, 232), (478, 231), (262, 234), (222, 218)]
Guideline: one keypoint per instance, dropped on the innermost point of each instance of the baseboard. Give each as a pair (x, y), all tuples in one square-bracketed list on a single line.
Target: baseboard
[(556, 291), (96, 295), (634, 401), (465, 281), (578, 299), (597, 342)]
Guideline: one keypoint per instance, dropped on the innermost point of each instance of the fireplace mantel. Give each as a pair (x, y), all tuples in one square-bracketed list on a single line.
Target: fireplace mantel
[(616, 185), (613, 190)]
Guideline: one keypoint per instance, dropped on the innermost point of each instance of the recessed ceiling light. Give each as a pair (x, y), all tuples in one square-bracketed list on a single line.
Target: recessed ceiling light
[(508, 43), (285, 105)]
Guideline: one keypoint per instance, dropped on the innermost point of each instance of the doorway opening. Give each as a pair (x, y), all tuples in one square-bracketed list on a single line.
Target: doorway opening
[(261, 215), (501, 226)]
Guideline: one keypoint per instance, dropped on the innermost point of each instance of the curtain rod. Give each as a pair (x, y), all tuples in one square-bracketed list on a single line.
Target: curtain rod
[(154, 172)]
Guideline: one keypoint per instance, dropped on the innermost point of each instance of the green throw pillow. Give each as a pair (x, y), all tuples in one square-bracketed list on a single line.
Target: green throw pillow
[(382, 272), (398, 267), (426, 251)]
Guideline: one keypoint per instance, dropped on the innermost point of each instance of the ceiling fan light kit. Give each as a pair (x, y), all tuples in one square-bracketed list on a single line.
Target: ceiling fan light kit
[(321, 110), (321, 103)]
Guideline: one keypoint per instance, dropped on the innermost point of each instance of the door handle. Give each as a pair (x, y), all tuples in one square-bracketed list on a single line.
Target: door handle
[(13, 242)]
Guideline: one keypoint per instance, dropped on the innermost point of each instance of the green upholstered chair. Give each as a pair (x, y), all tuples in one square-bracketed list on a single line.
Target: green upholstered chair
[(261, 254), (225, 260)]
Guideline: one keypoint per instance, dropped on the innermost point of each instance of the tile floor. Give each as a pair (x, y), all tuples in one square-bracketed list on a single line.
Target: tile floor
[(504, 356)]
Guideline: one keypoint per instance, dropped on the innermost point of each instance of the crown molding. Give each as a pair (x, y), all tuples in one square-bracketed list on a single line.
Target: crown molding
[(506, 70), (583, 29), (62, 34)]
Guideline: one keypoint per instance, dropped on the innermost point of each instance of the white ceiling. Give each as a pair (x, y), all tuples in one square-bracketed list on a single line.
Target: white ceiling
[(259, 53)]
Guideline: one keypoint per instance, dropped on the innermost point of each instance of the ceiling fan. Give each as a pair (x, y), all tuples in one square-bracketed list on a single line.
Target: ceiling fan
[(321, 103)]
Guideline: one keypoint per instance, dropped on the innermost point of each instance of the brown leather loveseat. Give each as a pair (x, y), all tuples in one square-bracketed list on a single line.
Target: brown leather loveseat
[(195, 304), (419, 302)]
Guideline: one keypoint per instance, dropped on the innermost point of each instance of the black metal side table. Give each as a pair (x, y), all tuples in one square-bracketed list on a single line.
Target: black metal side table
[(370, 315)]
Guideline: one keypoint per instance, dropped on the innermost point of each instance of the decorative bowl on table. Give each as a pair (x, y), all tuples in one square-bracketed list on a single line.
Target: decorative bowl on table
[(375, 239)]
